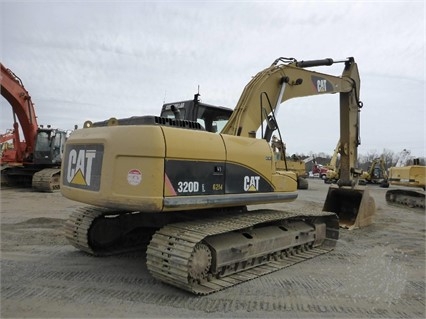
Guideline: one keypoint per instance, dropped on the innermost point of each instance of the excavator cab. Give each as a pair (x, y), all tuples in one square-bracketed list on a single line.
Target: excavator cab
[(211, 118), (49, 146)]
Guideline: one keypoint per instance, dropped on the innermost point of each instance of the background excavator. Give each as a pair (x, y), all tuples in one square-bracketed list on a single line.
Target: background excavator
[(332, 174), (187, 191), (35, 161), (376, 174), (296, 164), (409, 176)]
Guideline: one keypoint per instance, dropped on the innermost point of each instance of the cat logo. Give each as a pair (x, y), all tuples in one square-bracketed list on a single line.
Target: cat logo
[(82, 166), (321, 85), (251, 183)]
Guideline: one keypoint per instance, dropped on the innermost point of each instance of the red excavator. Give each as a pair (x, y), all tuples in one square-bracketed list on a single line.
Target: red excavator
[(36, 161)]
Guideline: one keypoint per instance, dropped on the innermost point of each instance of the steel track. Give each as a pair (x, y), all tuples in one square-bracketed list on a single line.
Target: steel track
[(47, 180), (408, 198), (171, 249), (170, 253)]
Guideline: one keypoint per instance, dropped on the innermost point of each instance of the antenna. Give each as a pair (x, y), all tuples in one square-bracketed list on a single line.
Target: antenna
[(197, 96), (164, 99)]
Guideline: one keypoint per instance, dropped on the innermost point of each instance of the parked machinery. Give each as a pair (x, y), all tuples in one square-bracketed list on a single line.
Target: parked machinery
[(332, 174), (292, 163), (187, 191), (37, 160), (376, 174), (411, 176), (5, 139)]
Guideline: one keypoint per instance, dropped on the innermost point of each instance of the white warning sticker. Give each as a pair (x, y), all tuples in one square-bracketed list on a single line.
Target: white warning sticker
[(134, 177)]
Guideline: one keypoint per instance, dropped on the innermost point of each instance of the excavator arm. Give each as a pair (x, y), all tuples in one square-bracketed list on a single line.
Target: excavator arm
[(333, 162), (288, 78), (263, 95), (18, 97)]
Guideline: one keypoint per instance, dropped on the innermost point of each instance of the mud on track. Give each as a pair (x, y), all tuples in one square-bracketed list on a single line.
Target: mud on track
[(374, 272)]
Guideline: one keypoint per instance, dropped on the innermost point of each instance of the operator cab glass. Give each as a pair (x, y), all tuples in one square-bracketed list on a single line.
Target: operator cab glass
[(49, 146), (43, 141), (174, 111), (211, 118)]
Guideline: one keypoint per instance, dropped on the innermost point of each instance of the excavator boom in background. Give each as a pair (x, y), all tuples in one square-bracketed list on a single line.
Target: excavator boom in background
[(35, 161), (186, 190)]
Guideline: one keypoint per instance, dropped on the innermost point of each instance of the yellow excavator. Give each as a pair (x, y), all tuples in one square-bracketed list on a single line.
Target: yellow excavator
[(184, 192), (376, 174), (332, 175), (296, 164), (410, 176)]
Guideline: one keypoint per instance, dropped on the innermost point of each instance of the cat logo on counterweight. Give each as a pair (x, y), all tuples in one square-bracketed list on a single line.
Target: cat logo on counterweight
[(82, 166)]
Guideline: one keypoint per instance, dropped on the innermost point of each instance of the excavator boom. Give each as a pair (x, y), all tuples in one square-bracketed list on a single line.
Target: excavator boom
[(281, 82)]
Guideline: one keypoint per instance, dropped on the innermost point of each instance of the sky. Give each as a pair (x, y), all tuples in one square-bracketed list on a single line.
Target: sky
[(92, 60)]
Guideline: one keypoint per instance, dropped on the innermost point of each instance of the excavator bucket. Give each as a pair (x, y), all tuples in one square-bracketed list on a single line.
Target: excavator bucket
[(354, 206)]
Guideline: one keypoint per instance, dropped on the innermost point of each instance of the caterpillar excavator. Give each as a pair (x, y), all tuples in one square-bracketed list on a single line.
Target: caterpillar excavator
[(36, 161), (185, 192), (376, 174), (332, 175), (409, 176)]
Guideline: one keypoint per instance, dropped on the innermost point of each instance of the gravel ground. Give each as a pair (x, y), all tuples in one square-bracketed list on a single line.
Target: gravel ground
[(374, 272)]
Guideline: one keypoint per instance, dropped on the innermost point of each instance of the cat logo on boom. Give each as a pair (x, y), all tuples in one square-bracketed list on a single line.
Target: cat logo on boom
[(321, 85)]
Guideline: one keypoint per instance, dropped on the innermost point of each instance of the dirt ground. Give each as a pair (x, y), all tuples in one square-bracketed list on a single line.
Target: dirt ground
[(374, 272)]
